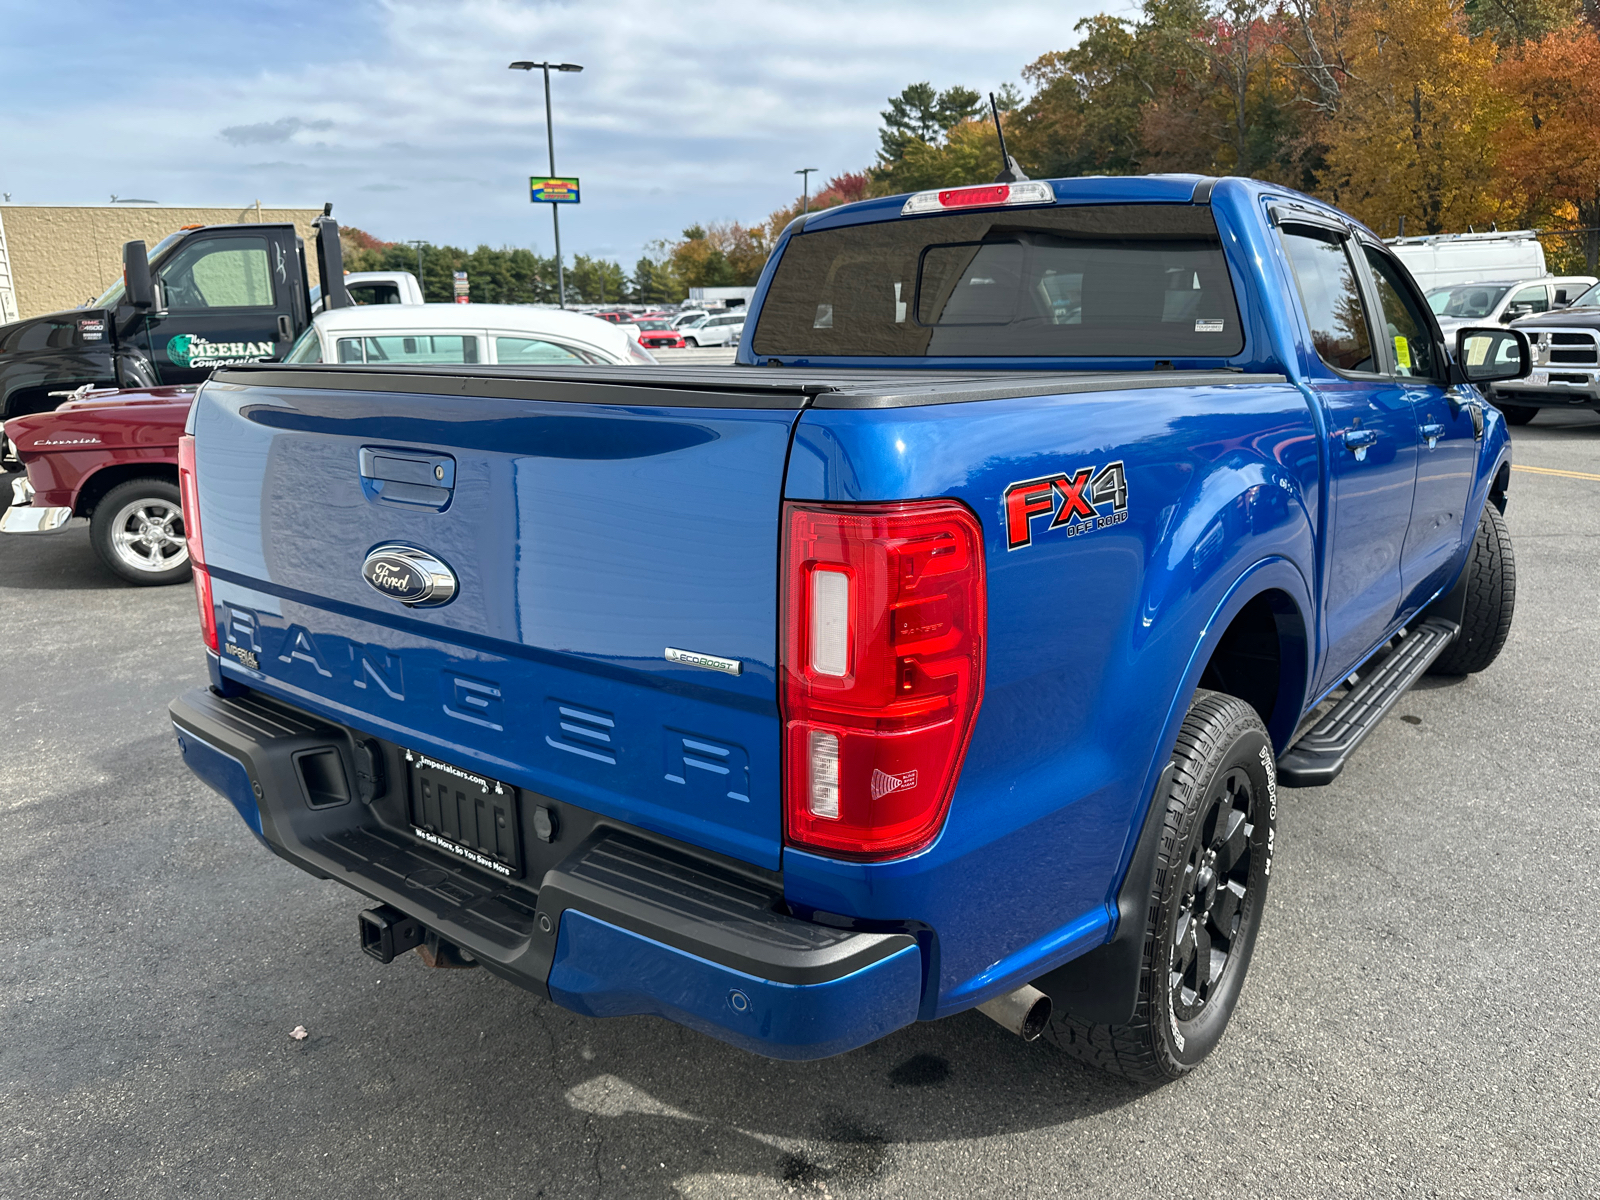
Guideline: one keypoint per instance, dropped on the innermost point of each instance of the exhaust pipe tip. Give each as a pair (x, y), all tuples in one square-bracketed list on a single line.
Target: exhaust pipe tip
[(1025, 1012)]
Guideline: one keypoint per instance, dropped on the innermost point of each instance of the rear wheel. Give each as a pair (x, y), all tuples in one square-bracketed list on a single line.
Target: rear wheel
[(1206, 899), (138, 531), (1491, 586)]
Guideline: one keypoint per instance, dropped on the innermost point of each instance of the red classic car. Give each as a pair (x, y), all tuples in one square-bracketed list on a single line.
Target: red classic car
[(107, 458)]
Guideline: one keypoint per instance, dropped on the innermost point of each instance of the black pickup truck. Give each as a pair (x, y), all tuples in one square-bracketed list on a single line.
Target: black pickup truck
[(205, 297)]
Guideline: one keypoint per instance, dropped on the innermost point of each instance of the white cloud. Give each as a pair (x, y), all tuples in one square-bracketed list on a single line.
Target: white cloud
[(406, 116)]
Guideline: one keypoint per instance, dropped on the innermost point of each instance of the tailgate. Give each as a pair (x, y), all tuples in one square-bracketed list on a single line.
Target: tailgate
[(589, 528)]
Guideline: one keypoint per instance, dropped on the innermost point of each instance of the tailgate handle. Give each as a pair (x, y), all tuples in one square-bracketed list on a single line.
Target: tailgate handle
[(407, 478)]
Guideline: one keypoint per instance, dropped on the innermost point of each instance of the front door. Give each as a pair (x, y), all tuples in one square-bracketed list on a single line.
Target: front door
[(1372, 455), (221, 296), (1447, 433)]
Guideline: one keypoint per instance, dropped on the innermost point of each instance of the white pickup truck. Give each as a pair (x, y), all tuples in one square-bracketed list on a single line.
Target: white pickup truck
[(376, 287)]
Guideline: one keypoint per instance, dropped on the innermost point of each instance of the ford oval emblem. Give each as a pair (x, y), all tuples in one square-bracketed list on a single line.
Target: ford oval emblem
[(414, 577)]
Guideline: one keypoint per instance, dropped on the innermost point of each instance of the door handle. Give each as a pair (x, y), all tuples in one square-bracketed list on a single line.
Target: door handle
[(408, 479), (285, 330), (1360, 441), (1433, 431)]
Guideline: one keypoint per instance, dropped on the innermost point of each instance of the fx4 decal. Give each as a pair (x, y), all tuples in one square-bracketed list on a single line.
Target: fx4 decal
[(1080, 501)]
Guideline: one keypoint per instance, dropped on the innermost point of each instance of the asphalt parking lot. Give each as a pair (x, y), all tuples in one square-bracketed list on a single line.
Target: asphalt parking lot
[(1415, 1022)]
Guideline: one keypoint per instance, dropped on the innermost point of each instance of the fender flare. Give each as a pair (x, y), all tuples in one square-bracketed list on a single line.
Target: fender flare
[(1102, 986)]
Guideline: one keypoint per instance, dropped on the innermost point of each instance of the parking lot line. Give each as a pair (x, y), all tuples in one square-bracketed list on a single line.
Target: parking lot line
[(1553, 471)]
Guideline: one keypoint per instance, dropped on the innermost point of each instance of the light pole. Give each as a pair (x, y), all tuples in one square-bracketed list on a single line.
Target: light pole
[(805, 188), (419, 244), (550, 137)]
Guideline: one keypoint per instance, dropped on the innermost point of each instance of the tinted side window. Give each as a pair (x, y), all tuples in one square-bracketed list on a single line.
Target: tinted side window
[(1328, 290), (410, 348), (532, 350), (1535, 298), (1404, 325), (225, 272)]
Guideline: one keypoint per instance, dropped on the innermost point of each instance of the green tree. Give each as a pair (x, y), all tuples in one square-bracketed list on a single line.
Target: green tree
[(654, 280), (597, 281), (921, 113)]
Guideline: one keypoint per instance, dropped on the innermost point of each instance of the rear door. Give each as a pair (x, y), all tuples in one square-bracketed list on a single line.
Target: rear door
[(223, 295), (1447, 430), (1372, 451), (591, 528)]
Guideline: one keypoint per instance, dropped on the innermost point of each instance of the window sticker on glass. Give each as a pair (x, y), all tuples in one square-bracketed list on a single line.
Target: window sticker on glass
[(1208, 326), (1402, 352)]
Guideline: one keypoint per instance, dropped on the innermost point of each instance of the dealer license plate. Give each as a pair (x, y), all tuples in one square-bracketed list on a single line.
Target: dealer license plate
[(465, 814)]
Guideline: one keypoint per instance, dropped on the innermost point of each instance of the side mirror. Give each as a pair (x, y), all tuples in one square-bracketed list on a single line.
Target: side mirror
[(1487, 355), (137, 288), (1561, 298)]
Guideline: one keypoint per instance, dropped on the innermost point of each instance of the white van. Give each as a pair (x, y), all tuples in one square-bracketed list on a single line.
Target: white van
[(1440, 259), (432, 334)]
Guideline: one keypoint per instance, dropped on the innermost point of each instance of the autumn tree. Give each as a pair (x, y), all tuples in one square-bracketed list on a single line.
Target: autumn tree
[(1550, 148), (1239, 109), (1414, 134), (722, 254), (1086, 115)]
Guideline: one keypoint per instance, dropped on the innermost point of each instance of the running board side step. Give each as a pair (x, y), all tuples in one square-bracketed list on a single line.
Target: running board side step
[(1316, 759)]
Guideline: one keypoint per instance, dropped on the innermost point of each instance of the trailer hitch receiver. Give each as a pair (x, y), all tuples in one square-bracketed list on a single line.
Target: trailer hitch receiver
[(387, 932)]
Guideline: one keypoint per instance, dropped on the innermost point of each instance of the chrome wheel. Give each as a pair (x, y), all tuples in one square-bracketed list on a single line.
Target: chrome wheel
[(1215, 884), (147, 535)]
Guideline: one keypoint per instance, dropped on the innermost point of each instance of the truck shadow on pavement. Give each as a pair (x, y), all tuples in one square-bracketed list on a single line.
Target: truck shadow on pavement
[(669, 1112)]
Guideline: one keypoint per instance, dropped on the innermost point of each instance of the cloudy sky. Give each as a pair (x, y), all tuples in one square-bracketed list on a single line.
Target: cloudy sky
[(405, 116)]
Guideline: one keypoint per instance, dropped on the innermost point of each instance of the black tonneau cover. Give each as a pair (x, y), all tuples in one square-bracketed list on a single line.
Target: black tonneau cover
[(721, 387)]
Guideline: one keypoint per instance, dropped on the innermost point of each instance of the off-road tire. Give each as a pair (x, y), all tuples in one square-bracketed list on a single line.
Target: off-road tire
[(1221, 746), (1491, 585), (1517, 414), (111, 528)]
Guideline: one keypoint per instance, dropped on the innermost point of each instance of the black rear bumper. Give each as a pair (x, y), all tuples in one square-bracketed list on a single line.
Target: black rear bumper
[(606, 919)]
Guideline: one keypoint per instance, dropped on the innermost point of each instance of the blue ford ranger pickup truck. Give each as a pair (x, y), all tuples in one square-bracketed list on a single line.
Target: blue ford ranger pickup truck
[(949, 651)]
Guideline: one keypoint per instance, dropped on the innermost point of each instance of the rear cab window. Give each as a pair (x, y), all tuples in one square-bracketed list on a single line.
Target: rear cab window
[(1132, 280)]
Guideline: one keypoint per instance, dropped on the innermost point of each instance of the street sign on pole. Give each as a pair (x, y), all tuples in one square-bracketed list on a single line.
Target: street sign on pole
[(546, 190)]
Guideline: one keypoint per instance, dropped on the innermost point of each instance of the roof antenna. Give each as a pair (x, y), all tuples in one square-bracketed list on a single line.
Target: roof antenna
[(1011, 171)]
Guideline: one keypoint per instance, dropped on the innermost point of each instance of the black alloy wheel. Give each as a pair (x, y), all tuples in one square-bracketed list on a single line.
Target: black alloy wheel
[(1215, 889), (1206, 898)]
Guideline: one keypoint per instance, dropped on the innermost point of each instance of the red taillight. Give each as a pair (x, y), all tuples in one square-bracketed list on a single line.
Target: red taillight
[(189, 498), (883, 645)]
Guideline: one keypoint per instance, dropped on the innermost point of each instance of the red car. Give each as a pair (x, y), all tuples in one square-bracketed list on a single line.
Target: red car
[(660, 335), (107, 458)]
